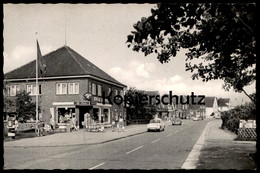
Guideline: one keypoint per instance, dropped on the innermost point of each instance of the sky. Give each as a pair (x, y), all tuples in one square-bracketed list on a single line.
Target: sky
[(99, 32)]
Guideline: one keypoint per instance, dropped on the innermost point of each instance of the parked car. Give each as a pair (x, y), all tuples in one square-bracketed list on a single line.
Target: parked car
[(217, 116), (176, 121), (156, 124)]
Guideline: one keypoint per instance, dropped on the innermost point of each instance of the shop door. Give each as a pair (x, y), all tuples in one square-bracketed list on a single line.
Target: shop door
[(82, 111)]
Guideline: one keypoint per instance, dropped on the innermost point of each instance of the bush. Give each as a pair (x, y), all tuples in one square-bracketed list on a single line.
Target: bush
[(224, 117), (233, 124), (231, 118)]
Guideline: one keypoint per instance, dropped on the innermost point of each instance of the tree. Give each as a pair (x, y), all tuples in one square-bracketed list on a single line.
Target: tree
[(222, 35), (138, 110), (9, 102), (25, 108)]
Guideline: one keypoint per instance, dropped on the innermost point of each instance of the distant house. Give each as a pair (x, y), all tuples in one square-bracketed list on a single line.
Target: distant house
[(211, 104), (196, 110), (72, 85), (176, 109), (224, 104)]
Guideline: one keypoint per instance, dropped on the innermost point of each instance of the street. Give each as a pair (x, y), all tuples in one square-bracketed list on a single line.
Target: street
[(151, 150)]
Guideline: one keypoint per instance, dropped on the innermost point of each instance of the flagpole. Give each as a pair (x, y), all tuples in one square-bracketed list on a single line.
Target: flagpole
[(37, 114)]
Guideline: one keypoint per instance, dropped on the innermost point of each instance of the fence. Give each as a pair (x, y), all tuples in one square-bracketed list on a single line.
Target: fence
[(247, 130), (248, 134)]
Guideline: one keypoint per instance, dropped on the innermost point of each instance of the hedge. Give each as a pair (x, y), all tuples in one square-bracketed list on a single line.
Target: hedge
[(231, 118)]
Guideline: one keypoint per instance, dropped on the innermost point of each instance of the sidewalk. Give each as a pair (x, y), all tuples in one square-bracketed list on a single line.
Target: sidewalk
[(81, 137), (220, 151)]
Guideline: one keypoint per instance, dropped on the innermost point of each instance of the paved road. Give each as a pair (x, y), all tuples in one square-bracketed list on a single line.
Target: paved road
[(151, 150)]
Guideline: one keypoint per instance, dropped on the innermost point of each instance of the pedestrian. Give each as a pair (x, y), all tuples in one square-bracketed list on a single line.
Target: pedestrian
[(52, 122), (113, 125), (16, 124), (74, 121), (40, 127), (121, 124)]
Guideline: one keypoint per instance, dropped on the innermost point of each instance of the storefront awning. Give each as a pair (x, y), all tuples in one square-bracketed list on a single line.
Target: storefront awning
[(86, 103)]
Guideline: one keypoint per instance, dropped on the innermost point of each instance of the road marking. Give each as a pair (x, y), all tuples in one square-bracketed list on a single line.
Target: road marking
[(134, 150), (96, 166), (169, 135), (155, 141)]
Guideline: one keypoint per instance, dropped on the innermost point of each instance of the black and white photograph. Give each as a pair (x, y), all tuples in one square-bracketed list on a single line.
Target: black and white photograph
[(129, 86)]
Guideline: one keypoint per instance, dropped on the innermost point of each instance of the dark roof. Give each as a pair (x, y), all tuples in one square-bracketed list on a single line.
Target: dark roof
[(61, 62), (195, 107), (152, 93), (222, 102), (209, 101), (180, 98)]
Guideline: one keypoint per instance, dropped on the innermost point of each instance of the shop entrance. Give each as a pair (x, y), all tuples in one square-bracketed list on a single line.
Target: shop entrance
[(83, 110)]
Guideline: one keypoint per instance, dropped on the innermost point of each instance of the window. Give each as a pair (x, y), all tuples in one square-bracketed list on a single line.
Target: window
[(89, 87), (99, 91), (14, 89), (116, 91), (73, 88), (94, 89), (32, 89), (61, 88), (121, 93), (109, 90)]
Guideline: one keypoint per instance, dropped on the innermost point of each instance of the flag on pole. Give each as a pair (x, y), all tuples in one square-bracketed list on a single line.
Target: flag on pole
[(41, 61)]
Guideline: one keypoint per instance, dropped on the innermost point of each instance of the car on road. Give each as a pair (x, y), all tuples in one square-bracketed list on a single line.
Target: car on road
[(156, 124), (176, 121), (197, 118)]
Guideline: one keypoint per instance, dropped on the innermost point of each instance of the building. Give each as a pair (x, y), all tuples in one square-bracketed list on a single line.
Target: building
[(197, 110), (71, 85), (211, 107), (176, 109), (224, 104)]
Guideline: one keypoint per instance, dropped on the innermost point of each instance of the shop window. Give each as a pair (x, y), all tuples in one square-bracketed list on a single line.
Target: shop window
[(65, 114), (14, 89), (73, 88), (105, 115), (94, 89), (99, 91), (61, 88)]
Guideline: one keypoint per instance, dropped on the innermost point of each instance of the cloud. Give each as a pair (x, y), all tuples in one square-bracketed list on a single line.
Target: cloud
[(141, 71), (175, 78), (115, 70), (22, 55), (144, 70)]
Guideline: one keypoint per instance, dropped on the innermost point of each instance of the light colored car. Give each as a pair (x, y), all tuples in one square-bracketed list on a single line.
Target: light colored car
[(156, 124), (176, 121), (197, 118)]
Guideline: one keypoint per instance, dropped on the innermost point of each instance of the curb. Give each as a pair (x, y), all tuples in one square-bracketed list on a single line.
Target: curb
[(193, 158), (81, 144)]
